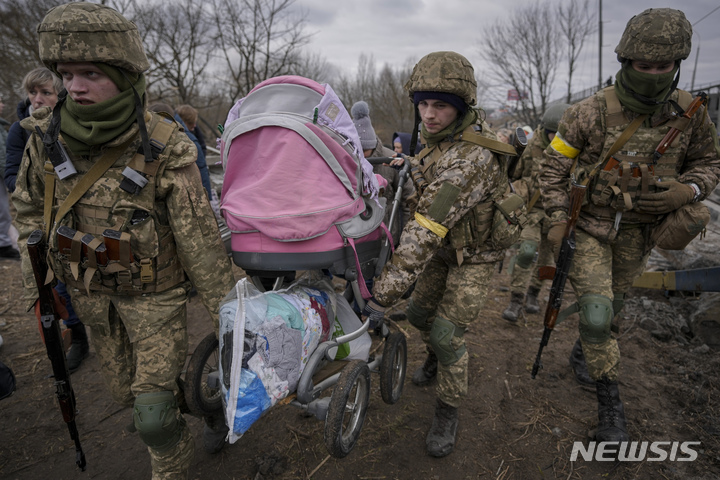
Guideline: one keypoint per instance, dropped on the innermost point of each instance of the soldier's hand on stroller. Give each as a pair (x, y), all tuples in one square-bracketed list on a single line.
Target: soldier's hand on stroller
[(374, 311)]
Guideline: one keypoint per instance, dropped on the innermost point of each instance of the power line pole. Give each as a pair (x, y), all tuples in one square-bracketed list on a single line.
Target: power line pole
[(600, 77)]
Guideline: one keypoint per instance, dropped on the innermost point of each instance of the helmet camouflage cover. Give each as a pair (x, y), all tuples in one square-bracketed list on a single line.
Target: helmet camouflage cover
[(88, 32), (656, 35), (446, 72), (553, 114)]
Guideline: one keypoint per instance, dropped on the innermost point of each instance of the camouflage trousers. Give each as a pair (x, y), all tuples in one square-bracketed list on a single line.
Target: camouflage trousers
[(457, 294), (133, 364), (534, 231), (609, 270)]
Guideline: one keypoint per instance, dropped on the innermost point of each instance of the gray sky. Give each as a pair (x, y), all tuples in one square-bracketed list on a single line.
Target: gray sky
[(393, 31)]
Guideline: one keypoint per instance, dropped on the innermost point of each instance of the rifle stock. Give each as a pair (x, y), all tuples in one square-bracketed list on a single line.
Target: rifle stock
[(49, 322), (567, 251)]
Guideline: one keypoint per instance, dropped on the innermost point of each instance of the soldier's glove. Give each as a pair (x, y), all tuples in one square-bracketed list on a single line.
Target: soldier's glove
[(373, 311), (59, 310), (674, 196), (555, 236)]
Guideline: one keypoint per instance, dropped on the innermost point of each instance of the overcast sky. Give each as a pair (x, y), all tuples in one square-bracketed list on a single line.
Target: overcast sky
[(393, 31)]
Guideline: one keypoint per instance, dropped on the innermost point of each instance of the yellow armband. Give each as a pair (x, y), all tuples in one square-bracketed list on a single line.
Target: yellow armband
[(434, 227)]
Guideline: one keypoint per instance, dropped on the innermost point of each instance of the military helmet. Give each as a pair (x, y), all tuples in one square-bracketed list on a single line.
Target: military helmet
[(447, 72), (553, 114), (88, 32), (656, 35)]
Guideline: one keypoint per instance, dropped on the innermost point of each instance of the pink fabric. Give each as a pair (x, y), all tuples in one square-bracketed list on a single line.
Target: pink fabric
[(287, 191), (293, 79)]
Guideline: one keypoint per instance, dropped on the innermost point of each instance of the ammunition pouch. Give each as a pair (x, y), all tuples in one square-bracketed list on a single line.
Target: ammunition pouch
[(121, 277), (494, 225), (681, 226)]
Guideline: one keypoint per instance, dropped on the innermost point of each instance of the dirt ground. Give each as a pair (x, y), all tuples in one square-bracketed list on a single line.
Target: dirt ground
[(511, 427)]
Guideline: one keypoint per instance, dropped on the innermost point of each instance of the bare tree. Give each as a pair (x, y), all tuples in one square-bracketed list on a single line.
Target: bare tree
[(522, 52), (257, 39), (178, 40), (578, 24), (19, 43)]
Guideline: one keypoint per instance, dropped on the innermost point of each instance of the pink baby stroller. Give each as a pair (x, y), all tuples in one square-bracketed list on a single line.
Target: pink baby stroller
[(299, 196)]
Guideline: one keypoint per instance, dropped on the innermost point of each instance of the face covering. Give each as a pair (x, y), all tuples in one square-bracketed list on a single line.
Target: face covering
[(84, 127), (644, 93)]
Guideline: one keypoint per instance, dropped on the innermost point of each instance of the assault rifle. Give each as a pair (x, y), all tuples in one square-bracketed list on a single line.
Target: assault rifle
[(37, 250), (559, 274), (518, 139)]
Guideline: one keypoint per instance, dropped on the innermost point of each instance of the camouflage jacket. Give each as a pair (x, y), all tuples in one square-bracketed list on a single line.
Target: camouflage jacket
[(181, 223), (585, 136), (473, 174)]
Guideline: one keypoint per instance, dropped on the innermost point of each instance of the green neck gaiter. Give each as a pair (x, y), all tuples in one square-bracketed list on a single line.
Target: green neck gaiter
[(86, 126), (433, 138), (654, 87)]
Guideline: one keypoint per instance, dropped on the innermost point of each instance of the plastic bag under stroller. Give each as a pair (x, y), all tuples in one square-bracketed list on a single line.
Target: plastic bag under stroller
[(266, 339)]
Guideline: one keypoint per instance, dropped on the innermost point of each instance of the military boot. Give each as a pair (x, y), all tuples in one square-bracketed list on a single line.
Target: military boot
[(512, 312), (79, 348), (611, 413), (427, 372), (214, 433), (440, 440), (577, 363), (531, 300)]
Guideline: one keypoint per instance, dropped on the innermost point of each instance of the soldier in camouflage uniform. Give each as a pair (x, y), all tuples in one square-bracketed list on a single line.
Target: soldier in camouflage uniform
[(534, 234), (445, 244), (624, 206), (136, 174)]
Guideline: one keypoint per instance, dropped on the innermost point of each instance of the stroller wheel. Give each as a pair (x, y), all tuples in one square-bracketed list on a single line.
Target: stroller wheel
[(200, 397), (348, 406), (392, 367)]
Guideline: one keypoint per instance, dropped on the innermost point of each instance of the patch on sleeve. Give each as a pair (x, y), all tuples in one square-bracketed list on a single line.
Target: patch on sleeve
[(559, 145), (443, 202)]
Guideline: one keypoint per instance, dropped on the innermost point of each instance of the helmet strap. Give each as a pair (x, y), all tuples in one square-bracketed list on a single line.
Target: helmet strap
[(147, 152), (414, 136)]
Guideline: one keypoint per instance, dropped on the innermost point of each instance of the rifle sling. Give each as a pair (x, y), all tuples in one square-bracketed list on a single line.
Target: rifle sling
[(533, 200), (624, 137)]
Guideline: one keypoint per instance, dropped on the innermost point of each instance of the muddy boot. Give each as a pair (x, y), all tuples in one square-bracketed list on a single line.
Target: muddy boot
[(577, 363), (512, 312), (79, 348), (427, 372), (214, 433), (441, 438), (531, 303), (611, 413)]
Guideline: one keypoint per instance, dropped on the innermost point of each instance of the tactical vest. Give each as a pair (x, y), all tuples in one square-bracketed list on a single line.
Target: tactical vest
[(618, 189), (488, 225), (148, 260)]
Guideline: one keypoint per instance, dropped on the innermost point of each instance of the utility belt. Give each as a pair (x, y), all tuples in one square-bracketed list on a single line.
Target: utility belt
[(109, 266)]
